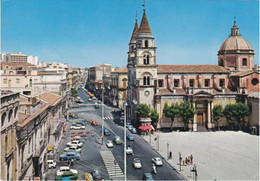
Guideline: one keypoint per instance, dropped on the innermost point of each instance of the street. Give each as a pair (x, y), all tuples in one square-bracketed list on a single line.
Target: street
[(94, 155)]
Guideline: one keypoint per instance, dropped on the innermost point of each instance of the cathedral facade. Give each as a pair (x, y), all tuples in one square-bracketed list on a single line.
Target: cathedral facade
[(204, 85)]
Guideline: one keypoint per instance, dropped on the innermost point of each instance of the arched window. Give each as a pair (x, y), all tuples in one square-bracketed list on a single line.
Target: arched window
[(148, 80), (244, 62), (146, 43), (144, 80), (10, 115), (3, 119), (124, 82), (15, 112), (132, 48), (147, 59)]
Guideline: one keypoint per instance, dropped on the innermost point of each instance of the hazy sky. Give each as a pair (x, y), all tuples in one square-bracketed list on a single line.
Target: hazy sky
[(84, 33)]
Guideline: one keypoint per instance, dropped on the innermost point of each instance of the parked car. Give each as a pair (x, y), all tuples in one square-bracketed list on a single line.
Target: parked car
[(96, 174), (157, 161), (122, 118), (89, 100), (51, 164), (118, 140), (137, 163), (96, 105), (109, 144), (130, 128), (130, 137), (73, 148), (128, 124), (106, 132), (63, 169), (148, 177), (81, 123), (75, 142), (88, 177), (94, 123), (134, 131), (69, 156), (68, 175), (129, 150)]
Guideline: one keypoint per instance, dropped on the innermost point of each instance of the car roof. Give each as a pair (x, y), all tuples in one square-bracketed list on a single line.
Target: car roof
[(64, 167), (71, 152)]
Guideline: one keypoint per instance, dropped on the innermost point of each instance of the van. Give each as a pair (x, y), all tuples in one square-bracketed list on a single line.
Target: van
[(51, 164)]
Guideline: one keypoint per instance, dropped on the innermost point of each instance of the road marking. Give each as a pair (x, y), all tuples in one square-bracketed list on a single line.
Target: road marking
[(113, 169)]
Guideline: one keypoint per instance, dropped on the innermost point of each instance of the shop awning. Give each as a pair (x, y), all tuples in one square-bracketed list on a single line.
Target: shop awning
[(145, 127)]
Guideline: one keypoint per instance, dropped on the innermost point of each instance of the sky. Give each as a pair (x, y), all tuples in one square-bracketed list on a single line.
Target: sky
[(85, 33)]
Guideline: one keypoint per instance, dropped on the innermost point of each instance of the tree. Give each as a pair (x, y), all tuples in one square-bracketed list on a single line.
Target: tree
[(186, 112), (240, 110), (228, 113), (171, 111), (154, 117), (142, 111), (74, 92), (217, 114)]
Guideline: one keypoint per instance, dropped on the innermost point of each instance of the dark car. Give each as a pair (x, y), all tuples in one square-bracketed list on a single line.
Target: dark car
[(67, 174), (96, 174), (107, 132), (148, 177)]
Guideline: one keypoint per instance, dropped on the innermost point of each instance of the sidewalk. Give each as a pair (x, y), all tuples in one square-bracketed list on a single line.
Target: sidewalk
[(223, 155)]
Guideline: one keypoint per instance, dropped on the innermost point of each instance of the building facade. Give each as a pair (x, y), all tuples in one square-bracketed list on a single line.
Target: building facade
[(203, 85), (9, 119)]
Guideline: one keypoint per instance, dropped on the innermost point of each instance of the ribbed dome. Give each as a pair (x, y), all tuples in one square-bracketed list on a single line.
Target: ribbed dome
[(235, 43)]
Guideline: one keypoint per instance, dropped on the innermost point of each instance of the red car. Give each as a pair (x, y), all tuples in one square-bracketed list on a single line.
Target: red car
[(94, 123)]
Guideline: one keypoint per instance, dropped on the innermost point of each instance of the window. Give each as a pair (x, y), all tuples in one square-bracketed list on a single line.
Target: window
[(176, 83), (5, 81), (30, 82), (254, 81), (148, 80), (222, 82), (146, 43), (244, 62), (3, 119), (15, 112), (17, 81), (10, 115), (124, 82), (160, 82), (206, 83), (221, 62), (144, 80), (144, 59), (191, 83), (147, 61)]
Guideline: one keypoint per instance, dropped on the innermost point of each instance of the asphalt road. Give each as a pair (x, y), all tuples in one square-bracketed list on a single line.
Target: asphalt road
[(90, 155)]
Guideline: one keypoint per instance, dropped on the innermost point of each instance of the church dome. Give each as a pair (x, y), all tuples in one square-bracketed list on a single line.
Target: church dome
[(235, 42)]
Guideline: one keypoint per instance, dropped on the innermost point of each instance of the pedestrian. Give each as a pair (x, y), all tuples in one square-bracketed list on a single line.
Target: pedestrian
[(170, 155), (68, 162), (186, 160), (183, 162), (191, 159)]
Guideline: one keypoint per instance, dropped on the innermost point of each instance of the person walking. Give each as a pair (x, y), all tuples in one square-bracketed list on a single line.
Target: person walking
[(170, 155), (191, 159)]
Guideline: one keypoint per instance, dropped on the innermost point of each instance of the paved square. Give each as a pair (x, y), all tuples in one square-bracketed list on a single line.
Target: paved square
[(222, 155)]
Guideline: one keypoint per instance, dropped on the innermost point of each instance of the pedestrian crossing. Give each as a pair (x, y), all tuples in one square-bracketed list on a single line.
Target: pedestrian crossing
[(108, 118), (113, 169)]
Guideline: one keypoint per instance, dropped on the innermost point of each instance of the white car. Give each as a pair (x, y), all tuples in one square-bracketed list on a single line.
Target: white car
[(157, 161), (137, 163), (73, 148), (129, 150), (51, 164), (109, 144), (130, 128), (65, 169), (75, 142), (77, 127)]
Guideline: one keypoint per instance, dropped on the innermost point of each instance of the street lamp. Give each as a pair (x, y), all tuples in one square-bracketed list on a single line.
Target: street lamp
[(124, 105), (167, 150)]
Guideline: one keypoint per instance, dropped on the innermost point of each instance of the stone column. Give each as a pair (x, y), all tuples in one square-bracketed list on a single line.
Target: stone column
[(209, 115), (195, 118)]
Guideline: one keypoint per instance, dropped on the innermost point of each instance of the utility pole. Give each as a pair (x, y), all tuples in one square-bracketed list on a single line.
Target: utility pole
[(168, 150), (180, 159), (102, 137), (158, 143), (125, 104)]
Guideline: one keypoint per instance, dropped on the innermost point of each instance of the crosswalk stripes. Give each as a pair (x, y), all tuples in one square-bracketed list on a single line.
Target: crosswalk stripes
[(113, 169)]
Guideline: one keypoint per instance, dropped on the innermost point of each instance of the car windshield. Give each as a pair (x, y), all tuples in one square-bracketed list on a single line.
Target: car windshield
[(137, 160)]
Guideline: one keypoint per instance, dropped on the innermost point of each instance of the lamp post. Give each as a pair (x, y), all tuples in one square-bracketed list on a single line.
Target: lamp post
[(102, 137), (158, 142), (167, 150), (124, 105)]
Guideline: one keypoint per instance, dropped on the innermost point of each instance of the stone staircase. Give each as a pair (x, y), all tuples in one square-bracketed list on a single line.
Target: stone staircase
[(201, 129)]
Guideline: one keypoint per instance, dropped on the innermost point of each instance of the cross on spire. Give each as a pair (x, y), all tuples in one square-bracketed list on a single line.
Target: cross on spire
[(234, 20), (144, 5)]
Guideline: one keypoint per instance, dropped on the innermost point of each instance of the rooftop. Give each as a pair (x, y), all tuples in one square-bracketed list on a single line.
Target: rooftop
[(50, 98), (191, 69), (120, 70)]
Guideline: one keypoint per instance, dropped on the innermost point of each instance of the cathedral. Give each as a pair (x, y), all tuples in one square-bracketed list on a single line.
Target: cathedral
[(204, 85)]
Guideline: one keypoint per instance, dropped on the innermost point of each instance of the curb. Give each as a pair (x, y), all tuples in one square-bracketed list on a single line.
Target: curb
[(165, 159)]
